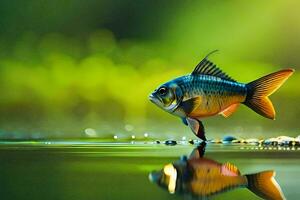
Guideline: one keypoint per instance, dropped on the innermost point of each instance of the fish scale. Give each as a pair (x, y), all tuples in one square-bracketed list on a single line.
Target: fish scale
[(208, 91), (216, 94)]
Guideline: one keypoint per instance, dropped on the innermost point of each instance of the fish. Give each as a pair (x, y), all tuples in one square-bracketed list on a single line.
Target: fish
[(201, 178), (208, 91)]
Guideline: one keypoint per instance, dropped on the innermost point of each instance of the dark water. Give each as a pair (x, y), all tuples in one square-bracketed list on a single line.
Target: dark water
[(91, 171)]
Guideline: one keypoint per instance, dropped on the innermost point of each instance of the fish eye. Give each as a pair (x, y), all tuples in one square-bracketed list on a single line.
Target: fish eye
[(162, 91)]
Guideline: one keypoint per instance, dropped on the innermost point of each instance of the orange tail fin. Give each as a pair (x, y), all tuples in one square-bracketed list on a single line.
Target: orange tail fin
[(264, 185), (259, 90)]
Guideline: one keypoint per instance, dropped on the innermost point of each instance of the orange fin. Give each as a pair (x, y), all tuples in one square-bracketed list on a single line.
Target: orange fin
[(264, 185), (230, 110), (198, 152), (197, 127), (259, 90), (229, 169)]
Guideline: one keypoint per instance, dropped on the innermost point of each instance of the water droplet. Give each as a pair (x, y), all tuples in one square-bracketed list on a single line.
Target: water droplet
[(90, 132), (128, 127)]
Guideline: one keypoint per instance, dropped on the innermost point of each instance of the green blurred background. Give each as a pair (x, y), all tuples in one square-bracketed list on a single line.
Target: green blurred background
[(71, 68)]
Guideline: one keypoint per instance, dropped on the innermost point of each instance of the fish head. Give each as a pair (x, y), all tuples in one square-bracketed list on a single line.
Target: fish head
[(165, 178), (168, 96)]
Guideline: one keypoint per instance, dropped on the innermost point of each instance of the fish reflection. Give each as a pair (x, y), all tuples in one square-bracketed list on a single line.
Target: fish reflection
[(200, 177)]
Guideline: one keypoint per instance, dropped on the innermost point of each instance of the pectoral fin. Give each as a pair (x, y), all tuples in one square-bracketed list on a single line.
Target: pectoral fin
[(191, 104), (230, 110), (197, 127)]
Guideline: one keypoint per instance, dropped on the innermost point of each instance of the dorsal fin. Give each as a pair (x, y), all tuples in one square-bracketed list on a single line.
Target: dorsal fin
[(206, 67)]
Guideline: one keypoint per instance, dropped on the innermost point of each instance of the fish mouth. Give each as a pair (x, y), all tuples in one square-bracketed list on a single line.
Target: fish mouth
[(153, 99), (156, 100)]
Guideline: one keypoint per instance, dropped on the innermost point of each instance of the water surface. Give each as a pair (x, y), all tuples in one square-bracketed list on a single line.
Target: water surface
[(91, 170)]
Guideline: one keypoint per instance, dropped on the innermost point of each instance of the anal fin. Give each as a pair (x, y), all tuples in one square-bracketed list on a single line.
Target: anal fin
[(230, 110), (198, 152), (197, 127)]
